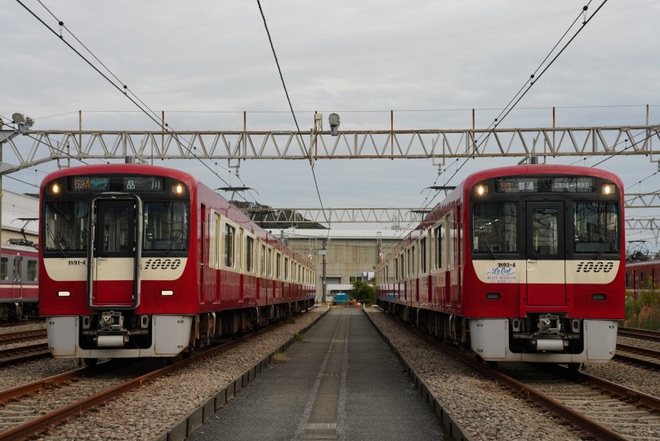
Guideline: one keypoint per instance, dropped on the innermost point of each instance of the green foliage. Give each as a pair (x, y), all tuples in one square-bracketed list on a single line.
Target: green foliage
[(363, 292), (643, 310)]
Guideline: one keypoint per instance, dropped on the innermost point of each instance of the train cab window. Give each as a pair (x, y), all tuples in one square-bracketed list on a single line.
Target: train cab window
[(494, 228), (4, 268), (65, 225), (596, 226), (165, 226)]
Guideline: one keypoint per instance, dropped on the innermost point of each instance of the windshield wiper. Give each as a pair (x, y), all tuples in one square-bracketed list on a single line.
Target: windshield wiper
[(490, 250), (603, 248)]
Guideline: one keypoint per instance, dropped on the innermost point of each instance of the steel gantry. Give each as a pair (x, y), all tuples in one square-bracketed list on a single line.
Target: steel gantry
[(42, 146)]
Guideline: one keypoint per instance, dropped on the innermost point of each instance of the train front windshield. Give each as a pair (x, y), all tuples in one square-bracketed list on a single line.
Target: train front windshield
[(543, 216), (74, 217)]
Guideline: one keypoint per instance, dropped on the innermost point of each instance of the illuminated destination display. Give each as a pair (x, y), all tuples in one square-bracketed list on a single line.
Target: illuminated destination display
[(545, 184), (89, 183), (116, 183)]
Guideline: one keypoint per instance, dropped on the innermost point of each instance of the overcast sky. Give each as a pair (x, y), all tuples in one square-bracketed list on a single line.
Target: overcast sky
[(205, 62)]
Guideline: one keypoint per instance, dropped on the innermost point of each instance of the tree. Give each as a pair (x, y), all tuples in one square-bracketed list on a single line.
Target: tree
[(363, 292)]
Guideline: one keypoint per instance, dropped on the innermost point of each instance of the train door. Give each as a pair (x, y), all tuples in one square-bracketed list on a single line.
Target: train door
[(546, 253), (115, 252)]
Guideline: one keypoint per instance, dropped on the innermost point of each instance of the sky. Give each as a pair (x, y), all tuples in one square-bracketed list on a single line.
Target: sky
[(204, 63)]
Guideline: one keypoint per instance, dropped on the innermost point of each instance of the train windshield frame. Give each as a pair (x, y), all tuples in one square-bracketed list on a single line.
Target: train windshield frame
[(72, 205), (520, 217)]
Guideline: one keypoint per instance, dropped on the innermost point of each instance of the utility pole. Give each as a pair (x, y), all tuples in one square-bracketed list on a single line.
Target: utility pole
[(24, 125), (323, 253)]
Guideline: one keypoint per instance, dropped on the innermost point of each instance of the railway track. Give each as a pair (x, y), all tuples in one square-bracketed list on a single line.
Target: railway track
[(605, 410), (640, 356), (33, 408), (21, 346), (641, 334)]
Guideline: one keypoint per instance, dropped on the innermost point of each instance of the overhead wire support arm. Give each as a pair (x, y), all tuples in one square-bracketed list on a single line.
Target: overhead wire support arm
[(350, 144)]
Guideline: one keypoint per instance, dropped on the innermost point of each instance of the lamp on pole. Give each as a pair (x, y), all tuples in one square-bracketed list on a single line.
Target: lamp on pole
[(323, 252), (24, 123)]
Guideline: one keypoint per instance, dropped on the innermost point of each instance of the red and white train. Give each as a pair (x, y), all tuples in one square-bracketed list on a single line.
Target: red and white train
[(145, 261), (18, 283), (521, 263)]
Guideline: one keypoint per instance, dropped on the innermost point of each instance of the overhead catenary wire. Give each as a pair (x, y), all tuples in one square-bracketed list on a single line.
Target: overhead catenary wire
[(107, 74), (540, 70), (293, 113)]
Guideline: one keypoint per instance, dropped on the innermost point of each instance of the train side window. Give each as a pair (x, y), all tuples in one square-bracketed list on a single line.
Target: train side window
[(286, 268), (439, 235), (263, 260), (32, 271), (4, 268), (230, 232), (278, 266), (422, 255), (269, 262), (249, 254)]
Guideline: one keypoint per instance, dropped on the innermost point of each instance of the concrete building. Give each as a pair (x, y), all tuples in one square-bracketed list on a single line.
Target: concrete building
[(20, 215), (350, 254)]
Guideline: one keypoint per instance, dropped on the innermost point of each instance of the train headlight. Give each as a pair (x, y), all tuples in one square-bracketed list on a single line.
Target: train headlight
[(178, 188), (481, 190), (608, 189), (63, 293), (54, 188), (166, 292)]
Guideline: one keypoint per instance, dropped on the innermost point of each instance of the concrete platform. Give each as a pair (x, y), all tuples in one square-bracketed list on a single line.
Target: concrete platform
[(342, 382)]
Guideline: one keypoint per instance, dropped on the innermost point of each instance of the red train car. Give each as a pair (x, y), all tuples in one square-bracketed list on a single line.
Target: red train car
[(18, 283), (520, 263), (643, 275), (145, 261)]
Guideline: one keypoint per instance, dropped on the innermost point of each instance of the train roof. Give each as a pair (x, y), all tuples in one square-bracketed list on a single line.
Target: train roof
[(540, 169), (515, 170), (233, 212), (117, 168)]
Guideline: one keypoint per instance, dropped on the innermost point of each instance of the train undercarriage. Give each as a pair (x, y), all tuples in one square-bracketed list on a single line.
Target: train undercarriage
[(124, 334), (538, 337)]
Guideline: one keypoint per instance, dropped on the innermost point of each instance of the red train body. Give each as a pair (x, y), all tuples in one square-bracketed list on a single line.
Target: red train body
[(522, 263), (18, 283), (643, 275), (145, 261)]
